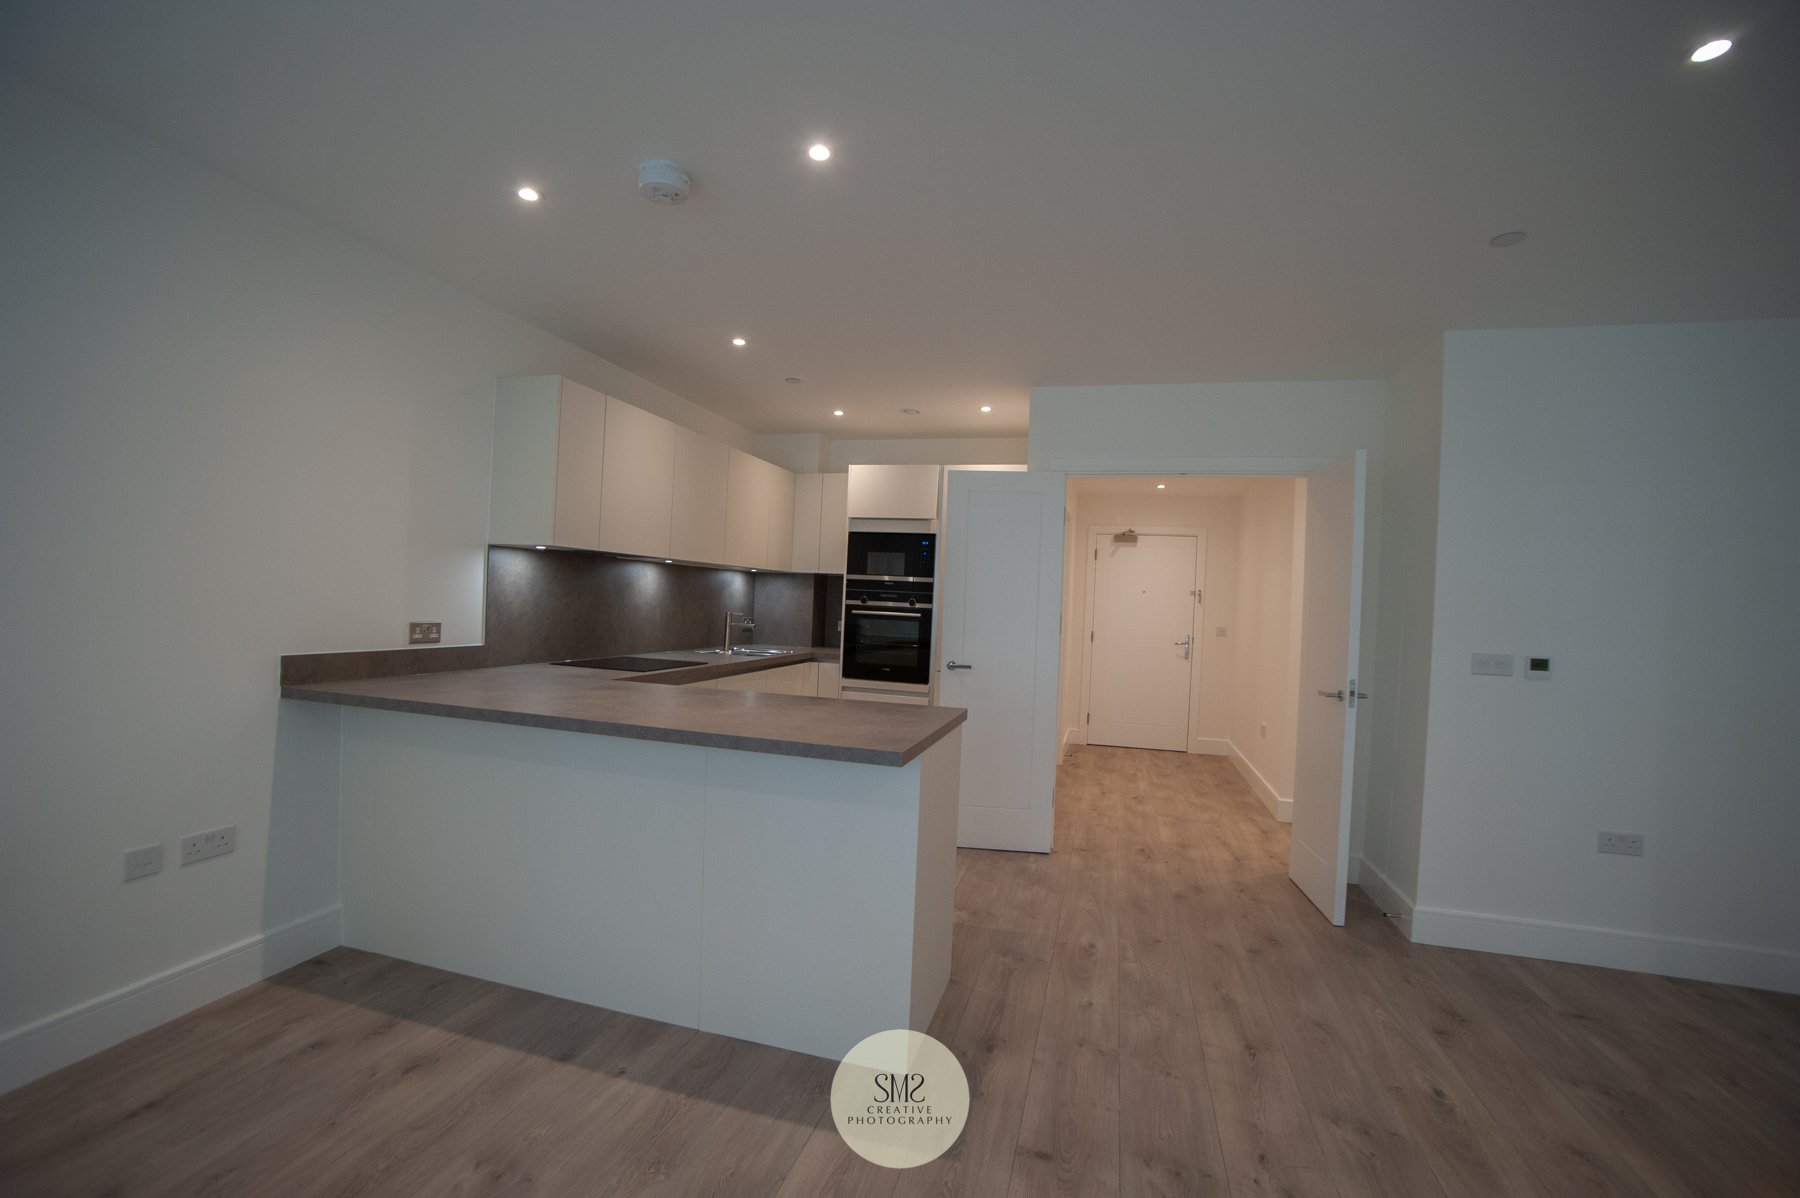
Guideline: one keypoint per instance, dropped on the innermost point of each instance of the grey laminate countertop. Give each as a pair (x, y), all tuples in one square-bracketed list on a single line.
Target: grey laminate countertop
[(655, 706)]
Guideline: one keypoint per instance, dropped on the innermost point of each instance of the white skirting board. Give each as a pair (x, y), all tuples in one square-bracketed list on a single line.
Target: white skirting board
[(1644, 952), (47, 1044), (1279, 807), (1383, 893)]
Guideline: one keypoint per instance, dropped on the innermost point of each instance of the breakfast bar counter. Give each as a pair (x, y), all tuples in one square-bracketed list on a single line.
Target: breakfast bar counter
[(773, 867)]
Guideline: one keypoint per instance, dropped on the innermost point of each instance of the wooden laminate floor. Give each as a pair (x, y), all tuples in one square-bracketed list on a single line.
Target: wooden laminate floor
[(1152, 1009)]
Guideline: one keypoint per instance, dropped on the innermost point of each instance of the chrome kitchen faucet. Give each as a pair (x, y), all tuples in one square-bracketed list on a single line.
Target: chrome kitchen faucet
[(735, 619)]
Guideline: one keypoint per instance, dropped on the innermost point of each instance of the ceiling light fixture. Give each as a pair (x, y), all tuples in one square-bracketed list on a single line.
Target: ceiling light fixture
[(791, 379), (1501, 241), (1161, 486), (837, 411), (819, 151), (739, 342), (540, 546), (987, 407), (668, 561), (530, 195), (1710, 50), (909, 411)]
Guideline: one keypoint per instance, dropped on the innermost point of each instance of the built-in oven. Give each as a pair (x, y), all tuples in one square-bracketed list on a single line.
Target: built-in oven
[(900, 556), (887, 637)]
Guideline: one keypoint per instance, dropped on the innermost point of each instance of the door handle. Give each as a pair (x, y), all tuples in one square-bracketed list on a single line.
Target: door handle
[(1186, 645), (958, 665), (1338, 695)]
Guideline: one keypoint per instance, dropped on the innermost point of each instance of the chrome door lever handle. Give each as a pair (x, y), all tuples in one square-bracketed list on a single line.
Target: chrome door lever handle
[(1338, 695), (958, 665)]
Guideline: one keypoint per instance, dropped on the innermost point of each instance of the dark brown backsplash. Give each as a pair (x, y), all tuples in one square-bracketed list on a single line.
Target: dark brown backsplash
[(549, 605)]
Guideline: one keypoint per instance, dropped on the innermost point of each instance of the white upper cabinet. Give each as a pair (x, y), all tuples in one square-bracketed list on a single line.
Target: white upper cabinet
[(808, 494), (549, 456), (698, 504), (834, 522), (638, 483), (579, 470), (893, 492), (821, 522), (780, 484), (746, 511)]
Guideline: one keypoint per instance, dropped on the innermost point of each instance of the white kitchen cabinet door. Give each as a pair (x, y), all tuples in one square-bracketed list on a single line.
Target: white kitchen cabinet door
[(834, 523), (894, 492), (746, 511), (830, 679), (548, 461), (638, 483), (807, 499), (697, 506), (779, 486)]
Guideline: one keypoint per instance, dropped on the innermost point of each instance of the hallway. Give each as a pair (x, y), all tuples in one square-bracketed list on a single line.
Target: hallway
[(1152, 1009)]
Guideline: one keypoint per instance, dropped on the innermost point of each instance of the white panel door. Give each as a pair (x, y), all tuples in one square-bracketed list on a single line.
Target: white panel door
[(1325, 756), (1000, 611), (1141, 653)]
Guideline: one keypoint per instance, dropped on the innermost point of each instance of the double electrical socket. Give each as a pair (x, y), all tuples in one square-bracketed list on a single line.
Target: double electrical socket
[(202, 845), (424, 632), (1625, 844)]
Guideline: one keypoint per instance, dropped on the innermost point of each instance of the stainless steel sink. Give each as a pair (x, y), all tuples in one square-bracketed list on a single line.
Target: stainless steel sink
[(762, 652)]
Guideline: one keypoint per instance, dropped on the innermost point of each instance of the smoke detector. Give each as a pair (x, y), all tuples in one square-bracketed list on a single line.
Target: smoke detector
[(662, 182)]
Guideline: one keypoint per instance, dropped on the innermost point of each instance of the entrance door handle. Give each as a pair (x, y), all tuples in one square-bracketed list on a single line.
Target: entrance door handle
[(1186, 645), (1338, 695), (958, 665)]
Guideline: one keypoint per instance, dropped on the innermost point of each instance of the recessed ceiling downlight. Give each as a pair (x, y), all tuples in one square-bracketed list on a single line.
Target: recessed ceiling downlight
[(1501, 241), (987, 407), (837, 411), (1710, 50), (909, 411), (820, 152), (1162, 486), (739, 342), (530, 195)]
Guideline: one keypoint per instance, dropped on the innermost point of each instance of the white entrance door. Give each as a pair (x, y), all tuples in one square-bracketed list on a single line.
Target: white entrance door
[(1141, 646), (1325, 756), (1000, 611)]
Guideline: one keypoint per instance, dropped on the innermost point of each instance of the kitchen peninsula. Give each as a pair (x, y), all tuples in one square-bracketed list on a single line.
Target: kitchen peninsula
[(768, 866)]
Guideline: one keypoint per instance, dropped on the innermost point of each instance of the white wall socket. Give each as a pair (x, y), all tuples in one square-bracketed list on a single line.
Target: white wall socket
[(141, 863), (202, 845), (1625, 844)]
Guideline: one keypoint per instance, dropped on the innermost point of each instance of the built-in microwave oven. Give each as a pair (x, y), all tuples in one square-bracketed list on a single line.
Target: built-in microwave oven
[(891, 555)]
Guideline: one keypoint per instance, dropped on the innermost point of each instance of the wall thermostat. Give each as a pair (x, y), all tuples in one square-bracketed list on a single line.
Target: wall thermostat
[(1537, 667)]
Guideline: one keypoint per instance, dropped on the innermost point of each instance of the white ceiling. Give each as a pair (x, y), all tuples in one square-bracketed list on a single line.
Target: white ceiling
[(1024, 192)]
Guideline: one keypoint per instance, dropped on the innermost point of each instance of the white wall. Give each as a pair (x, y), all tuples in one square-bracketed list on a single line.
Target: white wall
[(1215, 670), (1263, 703), (897, 451), (230, 433), (1401, 675), (1624, 501)]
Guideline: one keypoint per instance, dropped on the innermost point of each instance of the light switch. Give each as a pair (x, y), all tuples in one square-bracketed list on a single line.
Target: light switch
[(1500, 665)]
